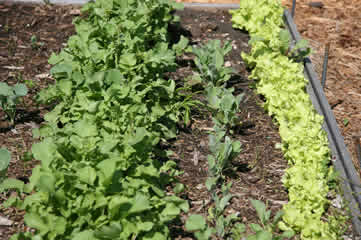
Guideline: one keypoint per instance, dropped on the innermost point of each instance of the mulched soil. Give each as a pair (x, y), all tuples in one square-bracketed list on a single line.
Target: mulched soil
[(259, 167)]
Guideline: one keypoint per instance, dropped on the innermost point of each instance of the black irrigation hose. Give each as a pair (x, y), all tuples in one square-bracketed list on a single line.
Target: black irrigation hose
[(342, 161), (293, 8)]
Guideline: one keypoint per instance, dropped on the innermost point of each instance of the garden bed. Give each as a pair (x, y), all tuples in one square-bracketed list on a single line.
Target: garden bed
[(259, 166), (257, 170)]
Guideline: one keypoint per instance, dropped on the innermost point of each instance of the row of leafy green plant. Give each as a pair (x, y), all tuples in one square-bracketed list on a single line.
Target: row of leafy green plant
[(275, 61), (102, 174), (225, 108)]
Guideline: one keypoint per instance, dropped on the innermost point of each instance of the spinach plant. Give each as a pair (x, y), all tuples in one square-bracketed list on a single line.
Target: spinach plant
[(10, 97)]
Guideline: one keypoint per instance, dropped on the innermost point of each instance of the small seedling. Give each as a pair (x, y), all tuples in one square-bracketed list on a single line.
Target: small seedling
[(10, 97), (218, 225), (224, 150), (224, 105), (29, 83), (7, 28), (210, 62), (268, 228), (345, 122), (34, 42)]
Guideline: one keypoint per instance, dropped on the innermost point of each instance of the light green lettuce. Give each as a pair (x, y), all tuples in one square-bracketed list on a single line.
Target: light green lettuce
[(304, 142)]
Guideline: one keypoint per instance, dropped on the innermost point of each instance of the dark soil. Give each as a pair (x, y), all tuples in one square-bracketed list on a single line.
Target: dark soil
[(259, 167)]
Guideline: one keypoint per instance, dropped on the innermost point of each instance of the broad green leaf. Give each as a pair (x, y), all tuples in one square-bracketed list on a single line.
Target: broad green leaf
[(179, 187), (109, 143), (20, 89), (140, 204), (224, 201), (12, 183), (177, 5), (84, 235), (65, 86), (5, 89), (256, 227), (128, 60), (10, 202), (303, 43), (5, 158), (171, 210), (205, 234), (145, 226), (85, 128), (195, 222), (140, 133), (264, 235), (278, 216), (288, 234), (35, 221), (236, 146), (155, 236), (87, 175), (44, 151), (78, 77), (211, 182), (260, 209), (114, 76), (110, 232), (184, 206), (61, 69), (180, 46), (47, 183), (58, 224), (219, 59), (227, 102), (96, 80), (107, 167), (238, 228), (285, 37), (54, 59)]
